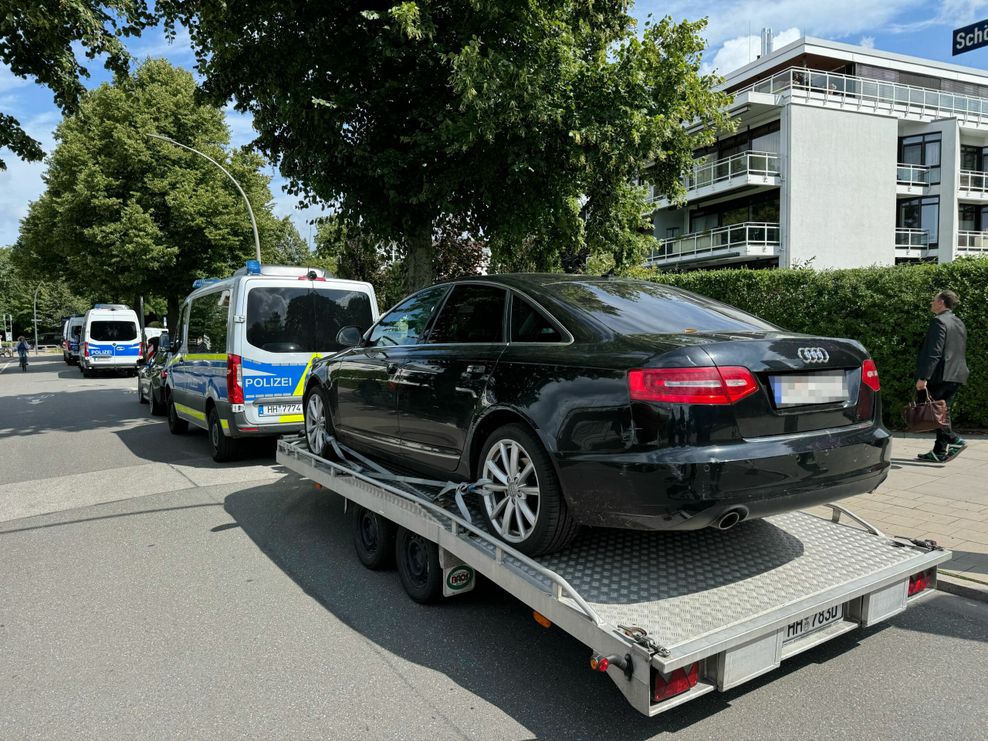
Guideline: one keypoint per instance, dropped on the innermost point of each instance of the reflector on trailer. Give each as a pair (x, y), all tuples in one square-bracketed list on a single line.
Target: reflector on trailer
[(920, 582), (541, 619), (680, 681)]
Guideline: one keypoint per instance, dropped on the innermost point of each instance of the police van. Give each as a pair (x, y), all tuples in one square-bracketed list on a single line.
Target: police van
[(243, 348), (71, 334), (110, 339)]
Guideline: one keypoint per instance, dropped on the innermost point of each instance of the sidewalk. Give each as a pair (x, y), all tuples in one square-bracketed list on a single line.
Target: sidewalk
[(945, 502)]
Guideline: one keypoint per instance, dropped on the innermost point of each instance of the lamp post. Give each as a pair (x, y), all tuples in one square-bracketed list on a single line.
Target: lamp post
[(253, 221), (36, 319)]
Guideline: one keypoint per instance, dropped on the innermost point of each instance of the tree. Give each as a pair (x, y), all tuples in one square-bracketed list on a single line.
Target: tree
[(37, 38), (55, 299), (127, 215), (524, 122)]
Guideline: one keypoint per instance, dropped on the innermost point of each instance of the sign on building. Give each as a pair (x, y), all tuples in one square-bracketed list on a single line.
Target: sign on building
[(970, 37)]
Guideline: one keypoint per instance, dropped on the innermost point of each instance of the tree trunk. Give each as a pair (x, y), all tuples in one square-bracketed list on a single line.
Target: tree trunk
[(174, 303), (418, 257)]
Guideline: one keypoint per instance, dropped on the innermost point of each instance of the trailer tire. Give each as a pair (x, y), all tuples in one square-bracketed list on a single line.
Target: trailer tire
[(373, 538), (554, 527), (418, 566)]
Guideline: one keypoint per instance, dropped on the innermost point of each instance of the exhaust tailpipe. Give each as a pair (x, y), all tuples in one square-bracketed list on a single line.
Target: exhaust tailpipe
[(730, 518)]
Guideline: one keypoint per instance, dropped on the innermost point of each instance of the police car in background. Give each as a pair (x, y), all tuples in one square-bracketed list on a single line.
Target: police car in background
[(71, 334), (111, 340), (243, 348)]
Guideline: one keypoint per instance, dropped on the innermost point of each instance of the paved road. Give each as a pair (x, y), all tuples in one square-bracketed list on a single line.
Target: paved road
[(146, 592)]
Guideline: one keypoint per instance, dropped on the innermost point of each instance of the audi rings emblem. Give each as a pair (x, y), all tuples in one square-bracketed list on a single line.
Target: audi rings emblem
[(813, 355)]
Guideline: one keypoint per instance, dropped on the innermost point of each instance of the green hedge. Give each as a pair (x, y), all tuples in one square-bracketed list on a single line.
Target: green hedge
[(884, 308)]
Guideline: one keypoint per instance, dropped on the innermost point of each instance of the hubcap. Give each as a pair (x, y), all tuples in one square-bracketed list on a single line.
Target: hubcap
[(315, 424), (214, 433), (512, 499), (417, 560)]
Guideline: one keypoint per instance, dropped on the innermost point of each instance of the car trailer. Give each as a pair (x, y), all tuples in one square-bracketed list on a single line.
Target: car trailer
[(668, 616)]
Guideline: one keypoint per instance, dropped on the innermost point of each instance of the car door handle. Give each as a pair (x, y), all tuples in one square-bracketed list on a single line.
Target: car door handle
[(476, 369)]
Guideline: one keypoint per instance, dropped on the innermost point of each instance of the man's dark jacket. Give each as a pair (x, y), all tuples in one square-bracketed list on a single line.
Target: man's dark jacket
[(941, 358)]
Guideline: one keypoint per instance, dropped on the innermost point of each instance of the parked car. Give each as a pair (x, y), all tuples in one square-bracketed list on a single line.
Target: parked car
[(603, 401), (152, 374)]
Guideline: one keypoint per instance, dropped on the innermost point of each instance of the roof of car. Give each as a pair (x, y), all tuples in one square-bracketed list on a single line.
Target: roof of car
[(535, 280)]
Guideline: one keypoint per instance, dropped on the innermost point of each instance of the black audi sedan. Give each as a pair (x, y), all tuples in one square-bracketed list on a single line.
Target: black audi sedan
[(605, 402)]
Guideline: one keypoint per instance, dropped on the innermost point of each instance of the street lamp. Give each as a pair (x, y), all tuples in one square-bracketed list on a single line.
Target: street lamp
[(253, 221)]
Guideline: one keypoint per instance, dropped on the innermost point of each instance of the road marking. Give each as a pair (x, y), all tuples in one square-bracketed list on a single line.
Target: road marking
[(40, 399), (5, 367)]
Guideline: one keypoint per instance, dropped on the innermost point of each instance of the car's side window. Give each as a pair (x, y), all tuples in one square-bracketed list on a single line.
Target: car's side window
[(180, 334), (406, 323), (472, 314), (529, 325)]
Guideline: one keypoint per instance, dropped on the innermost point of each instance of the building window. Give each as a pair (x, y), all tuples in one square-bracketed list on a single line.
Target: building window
[(972, 218), (922, 149), (763, 207), (920, 213), (973, 158)]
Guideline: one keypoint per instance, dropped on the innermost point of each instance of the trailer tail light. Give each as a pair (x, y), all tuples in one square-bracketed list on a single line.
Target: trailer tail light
[(680, 681), (712, 385), (234, 379), (920, 582), (869, 375)]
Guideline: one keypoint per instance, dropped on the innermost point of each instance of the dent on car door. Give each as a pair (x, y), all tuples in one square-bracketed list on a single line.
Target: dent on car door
[(444, 377), (363, 380)]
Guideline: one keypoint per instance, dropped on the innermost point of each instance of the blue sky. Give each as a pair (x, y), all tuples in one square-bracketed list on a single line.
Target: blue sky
[(916, 27)]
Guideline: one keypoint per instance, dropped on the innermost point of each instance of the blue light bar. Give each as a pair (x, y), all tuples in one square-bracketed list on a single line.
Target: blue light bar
[(253, 267), (200, 282)]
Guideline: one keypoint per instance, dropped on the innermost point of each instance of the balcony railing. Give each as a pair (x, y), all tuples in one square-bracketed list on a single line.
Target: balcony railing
[(865, 92), (913, 175), (759, 164), (751, 237), (912, 239), (974, 181), (972, 242)]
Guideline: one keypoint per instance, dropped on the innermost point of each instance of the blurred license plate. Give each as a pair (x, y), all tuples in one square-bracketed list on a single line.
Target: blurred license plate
[(813, 623), (824, 387), (277, 410)]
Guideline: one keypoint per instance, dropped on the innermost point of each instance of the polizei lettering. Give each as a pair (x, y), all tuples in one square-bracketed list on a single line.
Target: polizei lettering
[(267, 382)]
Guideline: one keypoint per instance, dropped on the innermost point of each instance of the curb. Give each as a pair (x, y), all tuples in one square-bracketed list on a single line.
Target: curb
[(962, 586)]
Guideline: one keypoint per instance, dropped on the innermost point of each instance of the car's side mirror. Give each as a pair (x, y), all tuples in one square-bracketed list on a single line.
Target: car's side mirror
[(349, 336), (164, 343)]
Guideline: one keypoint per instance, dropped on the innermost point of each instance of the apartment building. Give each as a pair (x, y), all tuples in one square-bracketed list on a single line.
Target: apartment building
[(843, 156)]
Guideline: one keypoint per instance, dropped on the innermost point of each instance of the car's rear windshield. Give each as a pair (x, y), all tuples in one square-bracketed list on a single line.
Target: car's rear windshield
[(113, 331), (637, 307), (283, 319)]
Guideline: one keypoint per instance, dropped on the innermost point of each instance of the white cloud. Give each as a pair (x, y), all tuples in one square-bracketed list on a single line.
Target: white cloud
[(735, 53), (868, 42), (10, 81), (21, 182), (952, 13), (154, 43), (241, 126)]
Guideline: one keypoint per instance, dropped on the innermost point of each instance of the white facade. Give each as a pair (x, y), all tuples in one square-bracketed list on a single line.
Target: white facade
[(842, 157)]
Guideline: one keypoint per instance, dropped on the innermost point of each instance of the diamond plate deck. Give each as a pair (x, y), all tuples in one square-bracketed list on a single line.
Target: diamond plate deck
[(682, 586)]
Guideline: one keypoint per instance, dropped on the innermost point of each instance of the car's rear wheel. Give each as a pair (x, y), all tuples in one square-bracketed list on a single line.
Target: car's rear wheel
[(524, 504), (318, 426), (157, 406), (176, 425), (221, 447), (373, 538), (418, 566), (140, 393)]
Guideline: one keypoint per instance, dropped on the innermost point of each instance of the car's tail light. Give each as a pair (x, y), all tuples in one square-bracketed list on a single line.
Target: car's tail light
[(869, 375), (691, 385), (234, 379), (85, 349), (680, 681), (163, 375), (920, 582)]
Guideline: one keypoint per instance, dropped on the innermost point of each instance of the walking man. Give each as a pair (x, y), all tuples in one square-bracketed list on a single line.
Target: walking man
[(941, 369)]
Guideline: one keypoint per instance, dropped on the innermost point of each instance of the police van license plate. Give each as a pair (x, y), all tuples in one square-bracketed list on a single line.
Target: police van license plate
[(812, 623), (278, 410)]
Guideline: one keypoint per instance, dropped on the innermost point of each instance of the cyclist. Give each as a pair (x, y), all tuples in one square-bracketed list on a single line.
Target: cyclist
[(22, 350)]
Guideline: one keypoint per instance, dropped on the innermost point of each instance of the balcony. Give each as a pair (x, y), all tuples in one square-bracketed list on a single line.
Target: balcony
[(912, 243), (727, 243), (832, 89), (911, 179), (719, 176), (972, 243), (973, 186)]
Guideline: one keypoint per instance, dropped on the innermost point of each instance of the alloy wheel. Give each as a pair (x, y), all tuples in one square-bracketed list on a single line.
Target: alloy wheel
[(315, 423), (512, 498)]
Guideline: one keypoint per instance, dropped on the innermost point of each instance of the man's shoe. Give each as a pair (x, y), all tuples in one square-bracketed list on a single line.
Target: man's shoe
[(955, 449), (933, 457)]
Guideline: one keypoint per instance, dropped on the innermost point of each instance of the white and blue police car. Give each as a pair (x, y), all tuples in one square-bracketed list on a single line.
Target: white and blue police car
[(110, 340), (242, 349)]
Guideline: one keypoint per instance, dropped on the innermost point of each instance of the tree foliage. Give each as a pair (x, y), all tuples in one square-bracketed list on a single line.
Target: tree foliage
[(125, 214), (524, 122), (37, 38), (17, 290)]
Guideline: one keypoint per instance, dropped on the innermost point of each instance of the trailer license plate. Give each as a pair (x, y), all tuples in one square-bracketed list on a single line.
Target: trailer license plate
[(278, 410), (813, 623)]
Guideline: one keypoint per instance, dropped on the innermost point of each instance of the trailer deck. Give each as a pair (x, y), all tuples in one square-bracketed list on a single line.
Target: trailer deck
[(709, 608)]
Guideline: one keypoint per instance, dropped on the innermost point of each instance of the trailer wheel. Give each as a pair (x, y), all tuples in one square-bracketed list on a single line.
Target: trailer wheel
[(418, 566), (524, 504), (373, 538)]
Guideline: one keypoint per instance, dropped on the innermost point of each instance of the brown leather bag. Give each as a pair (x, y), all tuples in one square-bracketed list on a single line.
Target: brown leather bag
[(925, 416)]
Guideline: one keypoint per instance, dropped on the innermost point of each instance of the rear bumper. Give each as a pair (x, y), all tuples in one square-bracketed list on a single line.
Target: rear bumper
[(117, 365), (690, 488)]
